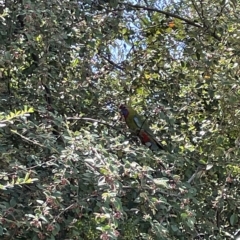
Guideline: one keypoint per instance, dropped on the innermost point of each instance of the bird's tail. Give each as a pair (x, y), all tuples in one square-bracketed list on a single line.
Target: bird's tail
[(149, 141)]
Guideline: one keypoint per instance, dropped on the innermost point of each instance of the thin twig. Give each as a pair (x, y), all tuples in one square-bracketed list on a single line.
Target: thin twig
[(92, 120), (69, 207), (197, 10), (193, 176), (28, 139), (29, 168), (32, 141)]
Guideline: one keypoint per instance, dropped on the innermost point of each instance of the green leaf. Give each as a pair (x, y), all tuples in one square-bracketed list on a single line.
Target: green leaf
[(113, 3), (209, 166), (174, 228), (161, 182), (234, 219), (13, 202)]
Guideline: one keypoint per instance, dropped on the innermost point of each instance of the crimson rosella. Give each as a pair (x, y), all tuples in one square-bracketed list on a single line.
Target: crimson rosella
[(140, 127)]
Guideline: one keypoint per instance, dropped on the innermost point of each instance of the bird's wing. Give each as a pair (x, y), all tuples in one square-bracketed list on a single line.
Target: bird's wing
[(137, 121)]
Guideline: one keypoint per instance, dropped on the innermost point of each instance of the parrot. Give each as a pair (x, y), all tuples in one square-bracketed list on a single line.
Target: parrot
[(140, 127)]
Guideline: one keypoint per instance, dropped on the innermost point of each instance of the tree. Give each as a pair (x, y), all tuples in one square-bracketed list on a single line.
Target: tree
[(70, 167)]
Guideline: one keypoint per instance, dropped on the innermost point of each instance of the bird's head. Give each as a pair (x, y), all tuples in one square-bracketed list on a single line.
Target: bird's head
[(124, 110)]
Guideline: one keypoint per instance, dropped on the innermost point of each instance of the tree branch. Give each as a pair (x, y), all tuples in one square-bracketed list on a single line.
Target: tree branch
[(188, 21), (197, 10), (112, 63)]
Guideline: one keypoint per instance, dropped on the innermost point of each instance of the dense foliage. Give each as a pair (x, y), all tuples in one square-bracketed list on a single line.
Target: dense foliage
[(71, 169)]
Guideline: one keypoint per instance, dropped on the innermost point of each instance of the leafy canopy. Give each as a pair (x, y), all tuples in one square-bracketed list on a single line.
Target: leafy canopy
[(70, 168)]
